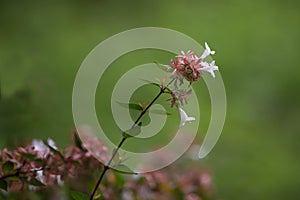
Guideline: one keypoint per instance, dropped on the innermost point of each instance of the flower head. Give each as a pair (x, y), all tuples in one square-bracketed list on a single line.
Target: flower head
[(184, 118), (42, 149), (189, 66), (186, 66), (209, 67), (207, 52)]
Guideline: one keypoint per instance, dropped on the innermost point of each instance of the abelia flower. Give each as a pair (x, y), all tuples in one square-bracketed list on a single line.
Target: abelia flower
[(186, 66), (190, 67), (184, 118), (209, 67), (207, 52), (179, 97), (40, 147), (76, 163)]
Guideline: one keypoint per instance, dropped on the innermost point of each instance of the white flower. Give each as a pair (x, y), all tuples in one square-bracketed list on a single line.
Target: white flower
[(39, 146), (209, 67), (184, 118), (40, 177), (207, 52)]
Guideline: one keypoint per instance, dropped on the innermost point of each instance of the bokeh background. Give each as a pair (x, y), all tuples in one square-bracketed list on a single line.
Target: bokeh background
[(42, 45)]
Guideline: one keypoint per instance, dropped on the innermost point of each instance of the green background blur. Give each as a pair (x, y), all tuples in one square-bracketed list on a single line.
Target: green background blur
[(257, 157)]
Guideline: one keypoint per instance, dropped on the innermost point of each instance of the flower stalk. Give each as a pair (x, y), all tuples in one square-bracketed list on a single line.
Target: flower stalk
[(107, 167), (186, 66)]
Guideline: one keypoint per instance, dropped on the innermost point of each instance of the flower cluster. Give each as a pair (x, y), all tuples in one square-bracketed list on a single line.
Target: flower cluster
[(170, 183), (179, 97), (42, 165), (190, 66), (187, 66)]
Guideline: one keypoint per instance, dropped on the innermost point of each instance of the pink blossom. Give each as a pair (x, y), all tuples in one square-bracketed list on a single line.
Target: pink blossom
[(190, 67)]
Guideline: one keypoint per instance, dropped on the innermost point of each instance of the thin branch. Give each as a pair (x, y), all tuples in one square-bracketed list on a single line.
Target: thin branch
[(106, 167)]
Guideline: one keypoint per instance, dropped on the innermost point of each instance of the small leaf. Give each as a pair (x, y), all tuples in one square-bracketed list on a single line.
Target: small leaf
[(156, 84), (54, 150), (29, 156), (79, 195), (152, 83), (140, 104), (3, 184), (132, 106), (8, 167), (162, 66), (123, 169), (168, 90), (135, 106), (35, 182), (133, 131)]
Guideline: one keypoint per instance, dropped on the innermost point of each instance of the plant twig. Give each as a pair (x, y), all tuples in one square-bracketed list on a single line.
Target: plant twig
[(106, 167)]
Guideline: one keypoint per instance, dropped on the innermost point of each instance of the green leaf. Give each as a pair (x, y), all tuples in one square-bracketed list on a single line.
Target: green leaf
[(152, 83), (79, 195), (29, 156), (54, 150), (35, 182), (162, 66), (3, 184), (132, 106), (156, 84), (135, 106), (78, 141), (123, 169), (168, 89), (133, 131), (8, 167)]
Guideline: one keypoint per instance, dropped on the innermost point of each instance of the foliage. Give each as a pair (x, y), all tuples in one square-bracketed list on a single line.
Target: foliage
[(52, 173)]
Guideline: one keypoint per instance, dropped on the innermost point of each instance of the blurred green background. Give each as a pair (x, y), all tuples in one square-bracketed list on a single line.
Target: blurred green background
[(42, 45)]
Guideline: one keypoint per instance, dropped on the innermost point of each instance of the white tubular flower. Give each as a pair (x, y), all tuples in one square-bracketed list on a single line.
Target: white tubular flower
[(209, 67), (207, 52), (40, 176), (39, 146), (184, 118), (42, 148)]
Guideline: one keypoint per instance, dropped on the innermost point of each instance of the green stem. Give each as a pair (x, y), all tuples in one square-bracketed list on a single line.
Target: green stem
[(106, 167)]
